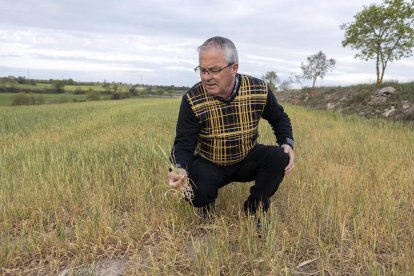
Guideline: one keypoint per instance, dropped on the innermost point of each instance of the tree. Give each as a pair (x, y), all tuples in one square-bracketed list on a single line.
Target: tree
[(21, 80), (58, 85), (285, 85), (70, 82), (271, 79), (297, 78), (115, 86), (105, 84), (317, 67), (383, 32)]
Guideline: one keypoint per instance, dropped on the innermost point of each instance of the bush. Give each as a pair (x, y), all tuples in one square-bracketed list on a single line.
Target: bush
[(407, 91), (59, 86), (27, 99), (119, 96), (92, 96), (78, 91)]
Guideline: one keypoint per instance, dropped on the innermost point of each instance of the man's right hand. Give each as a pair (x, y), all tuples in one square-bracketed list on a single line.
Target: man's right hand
[(176, 177)]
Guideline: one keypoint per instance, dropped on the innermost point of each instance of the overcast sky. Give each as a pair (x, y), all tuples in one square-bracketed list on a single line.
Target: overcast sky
[(154, 41)]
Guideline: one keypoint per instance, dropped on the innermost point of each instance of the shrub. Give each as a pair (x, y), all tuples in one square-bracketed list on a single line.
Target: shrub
[(92, 96), (27, 99), (119, 95), (78, 91)]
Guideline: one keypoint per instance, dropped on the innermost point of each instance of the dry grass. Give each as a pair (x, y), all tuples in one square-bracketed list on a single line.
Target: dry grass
[(80, 183)]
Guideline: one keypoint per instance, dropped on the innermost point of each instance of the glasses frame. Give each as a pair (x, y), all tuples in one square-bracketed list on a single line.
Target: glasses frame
[(209, 71)]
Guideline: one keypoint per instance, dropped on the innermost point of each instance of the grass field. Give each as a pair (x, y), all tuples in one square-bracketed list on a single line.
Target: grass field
[(43, 86), (85, 183), (7, 98), (38, 87)]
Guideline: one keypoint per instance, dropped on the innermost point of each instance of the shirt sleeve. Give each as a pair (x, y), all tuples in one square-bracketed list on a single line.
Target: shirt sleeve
[(279, 120), (186, 137)]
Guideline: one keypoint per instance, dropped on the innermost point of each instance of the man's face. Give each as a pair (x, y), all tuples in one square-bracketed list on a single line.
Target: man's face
[(221, 83)]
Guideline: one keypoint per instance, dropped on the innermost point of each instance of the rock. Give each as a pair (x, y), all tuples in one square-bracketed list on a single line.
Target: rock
[(381, 95), (344, 98), (330, 106), (389, 111), (386, 91), (406, 105), (409, 110), (378, 99)]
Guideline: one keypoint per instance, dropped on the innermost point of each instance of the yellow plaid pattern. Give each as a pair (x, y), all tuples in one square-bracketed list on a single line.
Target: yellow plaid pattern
[(228, 130)]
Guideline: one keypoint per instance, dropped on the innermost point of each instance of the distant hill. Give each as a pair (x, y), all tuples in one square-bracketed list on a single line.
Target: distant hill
[(394, 101)]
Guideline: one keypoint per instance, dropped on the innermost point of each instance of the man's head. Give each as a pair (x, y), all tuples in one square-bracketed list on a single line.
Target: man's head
[(218, 64)]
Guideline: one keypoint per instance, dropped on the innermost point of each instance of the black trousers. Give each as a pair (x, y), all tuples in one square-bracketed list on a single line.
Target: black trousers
[(264, 164)]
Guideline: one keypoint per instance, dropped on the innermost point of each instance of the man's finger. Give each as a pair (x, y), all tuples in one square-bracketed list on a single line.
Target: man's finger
[(174, 183), (289, 167)]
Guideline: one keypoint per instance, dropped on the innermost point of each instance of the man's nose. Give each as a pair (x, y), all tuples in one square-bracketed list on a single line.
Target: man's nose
[(206, 75)]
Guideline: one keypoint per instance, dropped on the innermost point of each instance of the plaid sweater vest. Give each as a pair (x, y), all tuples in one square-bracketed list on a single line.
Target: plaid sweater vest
[(228, 130)]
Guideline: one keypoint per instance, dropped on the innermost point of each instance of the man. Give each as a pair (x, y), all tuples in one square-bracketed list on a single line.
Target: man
[(217, 130)]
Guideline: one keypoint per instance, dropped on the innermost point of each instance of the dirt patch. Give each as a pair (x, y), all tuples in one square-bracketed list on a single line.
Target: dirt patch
[(113, 267)]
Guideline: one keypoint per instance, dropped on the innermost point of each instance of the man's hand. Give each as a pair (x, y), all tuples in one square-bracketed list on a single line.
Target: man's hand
[(291, 154), (176, 177)]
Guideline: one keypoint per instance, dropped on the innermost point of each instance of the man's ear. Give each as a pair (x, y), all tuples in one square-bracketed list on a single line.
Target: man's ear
[(234, 69)]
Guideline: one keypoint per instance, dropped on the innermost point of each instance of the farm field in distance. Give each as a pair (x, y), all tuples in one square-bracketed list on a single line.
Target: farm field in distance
[(22, 91), (84, 184), (6, 99)]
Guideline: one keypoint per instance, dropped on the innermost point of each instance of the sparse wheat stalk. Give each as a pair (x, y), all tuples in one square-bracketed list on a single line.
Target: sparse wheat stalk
[(182, 187)]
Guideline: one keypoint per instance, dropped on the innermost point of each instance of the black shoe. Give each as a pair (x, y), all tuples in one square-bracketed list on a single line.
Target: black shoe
[(256, 205), (207, 212), (255, 210), (250, 207)]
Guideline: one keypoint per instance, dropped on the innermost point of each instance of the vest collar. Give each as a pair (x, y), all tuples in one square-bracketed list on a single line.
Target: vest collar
[(234, 93)]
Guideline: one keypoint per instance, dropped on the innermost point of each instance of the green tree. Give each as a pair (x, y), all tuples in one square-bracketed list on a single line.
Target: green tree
[(70, 82), (21, 80), (383, 32), (105, 84), (59, 85), (317, 67), (271, 79)]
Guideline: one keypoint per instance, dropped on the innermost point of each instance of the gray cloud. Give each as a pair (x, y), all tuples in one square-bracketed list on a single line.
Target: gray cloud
[(156, 40)]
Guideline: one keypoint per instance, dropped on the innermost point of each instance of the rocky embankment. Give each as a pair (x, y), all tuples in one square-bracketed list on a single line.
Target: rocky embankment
[(390, 102)]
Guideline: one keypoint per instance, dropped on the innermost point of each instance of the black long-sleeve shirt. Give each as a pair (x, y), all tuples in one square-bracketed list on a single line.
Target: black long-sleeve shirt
[(189, 130)]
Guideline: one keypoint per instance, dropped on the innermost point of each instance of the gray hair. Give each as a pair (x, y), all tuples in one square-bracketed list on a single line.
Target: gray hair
[(225, 45)]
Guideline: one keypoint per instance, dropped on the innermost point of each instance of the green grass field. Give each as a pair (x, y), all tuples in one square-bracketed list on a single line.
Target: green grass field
[(7, 98), (39, 87), (85, 183)]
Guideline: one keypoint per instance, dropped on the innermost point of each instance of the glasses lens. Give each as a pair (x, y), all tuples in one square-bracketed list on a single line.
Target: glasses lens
[(212, 71), (215, 70)]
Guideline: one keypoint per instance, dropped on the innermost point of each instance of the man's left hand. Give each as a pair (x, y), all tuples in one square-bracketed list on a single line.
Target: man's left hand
[(288, 149)]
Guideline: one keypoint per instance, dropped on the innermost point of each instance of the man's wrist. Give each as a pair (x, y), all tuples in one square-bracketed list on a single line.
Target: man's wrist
[(177, 166), (290, 142), (286, 144)]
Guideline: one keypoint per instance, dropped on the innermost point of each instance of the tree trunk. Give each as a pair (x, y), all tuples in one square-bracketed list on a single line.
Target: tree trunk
[(384, 65), (379, 81), (313, 84)]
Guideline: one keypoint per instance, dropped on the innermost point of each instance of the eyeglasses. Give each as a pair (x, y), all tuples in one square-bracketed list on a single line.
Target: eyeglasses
[(212, 71)]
